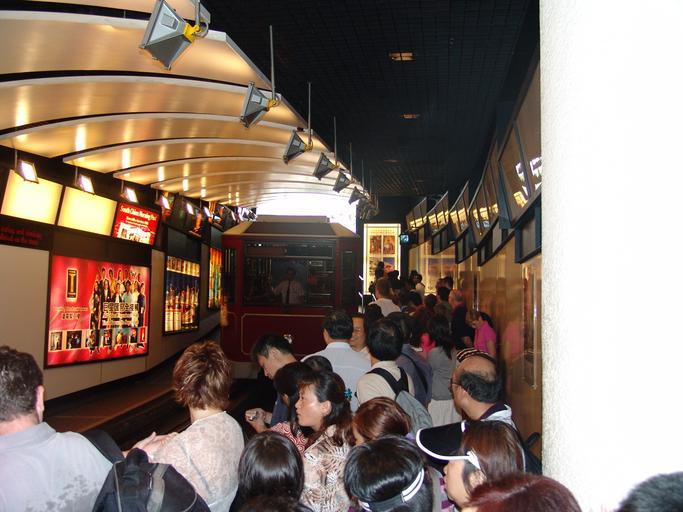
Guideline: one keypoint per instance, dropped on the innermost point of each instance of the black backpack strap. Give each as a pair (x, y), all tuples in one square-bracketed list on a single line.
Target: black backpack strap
[(420, 373), (105, 444), (396, 385)]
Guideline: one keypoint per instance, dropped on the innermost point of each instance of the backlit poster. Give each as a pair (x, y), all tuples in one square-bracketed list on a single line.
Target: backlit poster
[(181, 299), (135, 224), (97, 311), (215, 266)]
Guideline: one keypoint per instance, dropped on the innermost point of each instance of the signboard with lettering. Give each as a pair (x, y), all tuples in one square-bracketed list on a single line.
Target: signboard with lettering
[(135, 224), (97, 311), (25, 234)]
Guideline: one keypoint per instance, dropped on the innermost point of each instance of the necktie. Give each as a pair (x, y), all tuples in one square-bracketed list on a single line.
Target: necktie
[(289, 284)]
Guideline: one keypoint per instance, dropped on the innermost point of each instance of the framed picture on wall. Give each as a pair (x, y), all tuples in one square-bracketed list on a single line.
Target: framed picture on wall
[(531, 322), (97, 310)]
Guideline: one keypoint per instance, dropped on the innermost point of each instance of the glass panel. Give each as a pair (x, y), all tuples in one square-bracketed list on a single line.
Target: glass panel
[(462, 214), (476, 224), (529, 123), (296, 274), (484, 217), (491, 195), (513, 175)]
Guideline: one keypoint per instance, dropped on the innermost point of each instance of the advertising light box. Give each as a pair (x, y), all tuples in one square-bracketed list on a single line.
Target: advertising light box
[(181, 297), (97, 311), (135, 224), (215, 267)]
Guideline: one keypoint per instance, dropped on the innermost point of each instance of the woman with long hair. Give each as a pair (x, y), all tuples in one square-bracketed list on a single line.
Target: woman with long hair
[(484, 335), (286, 382), (324, 408), (442, 360)]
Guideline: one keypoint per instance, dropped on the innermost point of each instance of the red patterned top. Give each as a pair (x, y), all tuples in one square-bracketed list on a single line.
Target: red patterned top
[(285, 429)]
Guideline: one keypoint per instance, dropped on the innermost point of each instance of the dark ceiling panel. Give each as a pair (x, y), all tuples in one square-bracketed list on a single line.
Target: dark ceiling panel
[(463, 51)]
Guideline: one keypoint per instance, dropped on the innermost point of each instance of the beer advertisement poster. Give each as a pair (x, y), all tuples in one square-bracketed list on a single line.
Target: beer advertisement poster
[(98, 310)]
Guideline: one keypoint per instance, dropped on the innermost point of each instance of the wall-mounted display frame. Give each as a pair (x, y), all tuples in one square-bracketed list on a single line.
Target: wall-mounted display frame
[(381, 243), (181, 295), (97, 311), (215, 278), (135, 224)]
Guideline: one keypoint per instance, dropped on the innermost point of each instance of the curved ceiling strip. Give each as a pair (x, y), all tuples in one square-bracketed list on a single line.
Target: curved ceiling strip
[(193, 184), (87, 133), (78, 42), (122, 157), (24, 102), (198, 167)]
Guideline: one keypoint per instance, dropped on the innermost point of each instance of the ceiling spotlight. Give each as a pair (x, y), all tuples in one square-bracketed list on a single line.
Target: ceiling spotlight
[(164, 202), (129, 194), (167, 34), (189, 208), (26, 170), (355, 195), (84, 182), (256, 104), (207, 212), (323, 167), (296, 146), (342, 182)]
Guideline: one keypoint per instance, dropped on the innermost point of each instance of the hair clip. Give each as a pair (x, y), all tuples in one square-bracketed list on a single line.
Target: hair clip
[(348, 394)]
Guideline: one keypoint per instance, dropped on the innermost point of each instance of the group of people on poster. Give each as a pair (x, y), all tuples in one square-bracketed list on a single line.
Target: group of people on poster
[(117, 300)]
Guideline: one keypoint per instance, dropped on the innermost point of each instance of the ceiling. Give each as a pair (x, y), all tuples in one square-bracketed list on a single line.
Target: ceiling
[(75, 87)]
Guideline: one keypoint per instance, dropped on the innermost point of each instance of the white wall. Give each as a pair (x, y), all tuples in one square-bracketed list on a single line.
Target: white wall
[(611, 108)]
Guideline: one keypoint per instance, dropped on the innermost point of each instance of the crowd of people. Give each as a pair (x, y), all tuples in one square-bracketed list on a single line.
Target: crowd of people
[(402, 411)]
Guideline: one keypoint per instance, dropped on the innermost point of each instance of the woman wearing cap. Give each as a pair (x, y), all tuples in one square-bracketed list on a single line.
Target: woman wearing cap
[(489, 450), (323, 407), (386, 474), (381, 417)]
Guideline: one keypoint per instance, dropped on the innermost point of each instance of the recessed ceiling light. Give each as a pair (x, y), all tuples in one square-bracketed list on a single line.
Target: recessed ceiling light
[(401, 56), (391, 161), (410, 116)]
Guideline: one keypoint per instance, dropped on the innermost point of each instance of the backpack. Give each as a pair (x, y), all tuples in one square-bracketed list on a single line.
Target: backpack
[(134, 484), (419, 417)]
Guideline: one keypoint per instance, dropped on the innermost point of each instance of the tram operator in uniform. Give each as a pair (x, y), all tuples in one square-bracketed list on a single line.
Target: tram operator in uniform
[(289, 289)]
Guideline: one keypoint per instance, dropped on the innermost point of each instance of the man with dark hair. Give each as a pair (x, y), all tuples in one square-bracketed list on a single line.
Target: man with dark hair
[(41, 469), (289, 289), (656, 494), (271, 352), (383, 294), (442, 299), (461, 330), (412, 363), (346, 362), (357, 341), (385, 342)]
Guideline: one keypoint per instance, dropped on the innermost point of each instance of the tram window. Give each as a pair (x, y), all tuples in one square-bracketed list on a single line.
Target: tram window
[(293, 275)]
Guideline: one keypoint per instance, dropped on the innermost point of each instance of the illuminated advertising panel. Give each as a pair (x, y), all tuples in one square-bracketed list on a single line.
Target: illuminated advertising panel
[(87, 212), (97, 311), (135, 224), (215, 266), (181, 297)]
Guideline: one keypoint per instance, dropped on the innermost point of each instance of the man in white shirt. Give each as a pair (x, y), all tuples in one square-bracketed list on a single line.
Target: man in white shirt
[(346, 362), (289, 289), (385, 343), (41, 469), (383, 294)]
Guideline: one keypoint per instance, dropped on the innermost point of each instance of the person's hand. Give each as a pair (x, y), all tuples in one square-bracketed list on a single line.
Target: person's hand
[(257, 418), (143, 443)]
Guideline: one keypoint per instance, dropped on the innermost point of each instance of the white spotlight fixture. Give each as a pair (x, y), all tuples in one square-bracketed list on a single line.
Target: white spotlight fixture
[(207, 212), (256, 104), (167, 34), (163, 201), (342, 182), (355, 195), (129, 194), (296, 146), (25, 169), (188, 207), (83, 182), (324, 165)]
